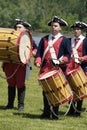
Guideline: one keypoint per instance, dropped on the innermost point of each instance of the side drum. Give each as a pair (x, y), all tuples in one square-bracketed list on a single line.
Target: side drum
[(78, 83), (15, 46), (56, 87)]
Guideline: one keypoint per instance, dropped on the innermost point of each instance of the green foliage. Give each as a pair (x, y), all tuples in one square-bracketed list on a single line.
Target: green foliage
[(39, 12)]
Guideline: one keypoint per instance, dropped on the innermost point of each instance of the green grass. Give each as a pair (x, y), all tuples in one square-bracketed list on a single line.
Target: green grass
[(29, 120)]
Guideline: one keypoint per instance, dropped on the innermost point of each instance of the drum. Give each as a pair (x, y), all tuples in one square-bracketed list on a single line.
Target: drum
[(78, 83), (56, 87), (15, 46)]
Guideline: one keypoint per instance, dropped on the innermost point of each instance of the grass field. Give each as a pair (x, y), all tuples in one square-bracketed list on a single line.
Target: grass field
[(29, 120)]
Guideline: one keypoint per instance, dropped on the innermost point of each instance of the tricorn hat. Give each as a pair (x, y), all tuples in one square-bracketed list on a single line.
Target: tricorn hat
[(25, 24), (79, 24), (57, 20)]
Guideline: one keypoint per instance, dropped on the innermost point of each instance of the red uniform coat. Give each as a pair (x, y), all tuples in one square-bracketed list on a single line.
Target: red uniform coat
[(82, 52), (61, 47)]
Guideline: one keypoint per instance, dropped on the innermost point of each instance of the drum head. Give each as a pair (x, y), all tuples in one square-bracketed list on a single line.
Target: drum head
[(25, 48), (47, 75)]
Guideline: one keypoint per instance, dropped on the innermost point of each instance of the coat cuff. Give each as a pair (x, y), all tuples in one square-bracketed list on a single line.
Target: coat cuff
[(85, 58)]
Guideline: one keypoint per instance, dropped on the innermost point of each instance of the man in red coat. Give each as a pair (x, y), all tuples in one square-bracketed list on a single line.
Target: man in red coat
[(78, 58), (53, 49), (17, 73)]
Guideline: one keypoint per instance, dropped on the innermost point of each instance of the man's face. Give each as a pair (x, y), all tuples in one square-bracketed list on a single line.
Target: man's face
[(20, 27), (77, 32), (55, 28)]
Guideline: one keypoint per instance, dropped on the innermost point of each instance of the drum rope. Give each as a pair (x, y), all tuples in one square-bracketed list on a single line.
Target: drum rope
[(13, 52), (45, 91), (82, 79), (58, 88), (75, 92), (71, 103), (53, 112), (12, 74), (64, 113), (63, 79), (50, 91), (9, 49), (74, 105), (68, 107)]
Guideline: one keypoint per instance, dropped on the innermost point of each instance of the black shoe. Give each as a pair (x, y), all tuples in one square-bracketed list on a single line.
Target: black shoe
[(8, 107), (54, 117), (70, 114), (77, 114), (21, 108), (45, 116)]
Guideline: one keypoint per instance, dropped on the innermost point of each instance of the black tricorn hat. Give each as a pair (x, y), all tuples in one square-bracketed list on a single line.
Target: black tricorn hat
[(79, 24), (25, 24), (58, 20)]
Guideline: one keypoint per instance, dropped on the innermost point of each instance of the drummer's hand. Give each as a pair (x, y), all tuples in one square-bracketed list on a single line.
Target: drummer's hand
[(38, 65), (61, 61), (34, 53), (81, 59)]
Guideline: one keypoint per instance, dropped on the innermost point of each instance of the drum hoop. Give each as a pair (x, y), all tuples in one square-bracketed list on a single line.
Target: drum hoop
[(41, 78), (73, 71), (18, 41), (20, 35)]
